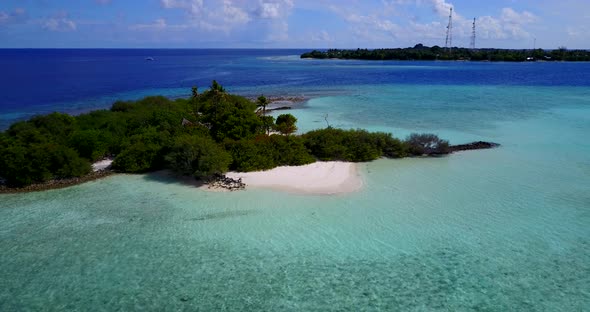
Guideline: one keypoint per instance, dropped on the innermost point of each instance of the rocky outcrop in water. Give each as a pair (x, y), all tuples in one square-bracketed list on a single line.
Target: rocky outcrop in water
[(472, 146), (220, 181), (278, 108)]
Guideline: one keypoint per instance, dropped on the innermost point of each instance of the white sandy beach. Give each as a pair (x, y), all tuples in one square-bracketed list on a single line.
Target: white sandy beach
[(322, 178), (102, 165)]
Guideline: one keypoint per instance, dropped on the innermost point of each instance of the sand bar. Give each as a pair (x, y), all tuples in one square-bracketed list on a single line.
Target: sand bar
[(322, 178)]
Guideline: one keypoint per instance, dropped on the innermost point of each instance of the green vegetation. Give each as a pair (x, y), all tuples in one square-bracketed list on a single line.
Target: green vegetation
[(353, 145), (262, 101), (198, 156), (421, 52), (204, 135), (267, 152), (429, 144), (285, 124)]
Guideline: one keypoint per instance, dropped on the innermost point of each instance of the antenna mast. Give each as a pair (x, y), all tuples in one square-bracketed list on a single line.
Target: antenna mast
[(449, 41), (473, 36)]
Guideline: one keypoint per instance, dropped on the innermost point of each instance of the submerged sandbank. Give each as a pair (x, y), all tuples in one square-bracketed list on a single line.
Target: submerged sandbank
[(322, 178)]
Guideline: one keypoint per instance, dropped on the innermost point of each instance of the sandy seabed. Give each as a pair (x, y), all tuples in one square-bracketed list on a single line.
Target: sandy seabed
[(322, 178)]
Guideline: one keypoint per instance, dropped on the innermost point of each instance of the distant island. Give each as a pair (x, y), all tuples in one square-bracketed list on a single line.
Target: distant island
[(423, 53), (203, 136)]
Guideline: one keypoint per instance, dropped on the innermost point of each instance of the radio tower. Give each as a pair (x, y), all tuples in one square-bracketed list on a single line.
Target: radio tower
[(472, 46), (449, 41)]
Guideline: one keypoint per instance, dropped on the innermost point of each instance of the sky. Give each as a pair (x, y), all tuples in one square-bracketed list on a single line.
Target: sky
[(520, 24)]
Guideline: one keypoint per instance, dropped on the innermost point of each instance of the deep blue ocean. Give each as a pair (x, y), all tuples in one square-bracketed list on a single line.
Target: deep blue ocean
[(37, 81), (506, 229)]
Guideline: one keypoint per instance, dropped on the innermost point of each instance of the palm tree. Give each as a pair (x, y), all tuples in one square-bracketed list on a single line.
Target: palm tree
[(262, 101), (216, 87), (195, 100)]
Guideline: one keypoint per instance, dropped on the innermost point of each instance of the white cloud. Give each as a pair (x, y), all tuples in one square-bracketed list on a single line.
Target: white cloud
[(274, 9), (378, 24), (322, 36), (273, 14), (60, 22), (232, 14), (441, 7), (210, 16), (509, 25), (370, 27), (512, 17), (181, 4), (159, 24), (16, 16), (194, 7), (490, 28), (432, 30)]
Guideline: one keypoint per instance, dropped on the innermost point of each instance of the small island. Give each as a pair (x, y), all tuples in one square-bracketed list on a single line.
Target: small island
[(423, 53), (203, 136)]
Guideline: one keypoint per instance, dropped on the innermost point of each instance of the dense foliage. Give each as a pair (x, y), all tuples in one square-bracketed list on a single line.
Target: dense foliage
[(203, 135), (198, 156), (285, 124), (430, 144), (353, 145), (421, 52), (266, 152)]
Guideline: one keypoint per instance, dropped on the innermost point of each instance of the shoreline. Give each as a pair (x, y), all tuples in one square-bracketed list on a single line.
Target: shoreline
[(319, 178), (57, 184)]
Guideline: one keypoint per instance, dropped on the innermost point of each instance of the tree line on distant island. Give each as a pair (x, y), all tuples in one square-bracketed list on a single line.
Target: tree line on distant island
[(423, 53), (204, 135)]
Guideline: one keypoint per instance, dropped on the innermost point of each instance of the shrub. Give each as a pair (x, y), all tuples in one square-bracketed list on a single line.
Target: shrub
[(90, 144), (197, 156), (427, 144), (39, 163), (266, 152), (352, 145), (285, 124)]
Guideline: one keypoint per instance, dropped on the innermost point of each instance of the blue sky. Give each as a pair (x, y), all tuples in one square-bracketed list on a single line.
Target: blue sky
[(290, 23)]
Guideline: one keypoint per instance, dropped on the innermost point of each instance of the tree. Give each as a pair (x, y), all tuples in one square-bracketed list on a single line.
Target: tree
[(90, 144), (427, 144), (268, 122), (194, 99), (143, 151), (352, 145), (65, 163), (285, 124), (56, 125), (138, 157), (266, 152), (16, 166), (39, 163), (230, 116), (262, 101), (216, 87), (198, 156)]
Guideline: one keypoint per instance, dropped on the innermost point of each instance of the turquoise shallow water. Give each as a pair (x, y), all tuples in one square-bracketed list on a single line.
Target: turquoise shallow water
[(493, 230)]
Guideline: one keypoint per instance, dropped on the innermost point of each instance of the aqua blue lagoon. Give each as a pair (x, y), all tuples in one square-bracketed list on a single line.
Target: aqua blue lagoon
[(506, 229)]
